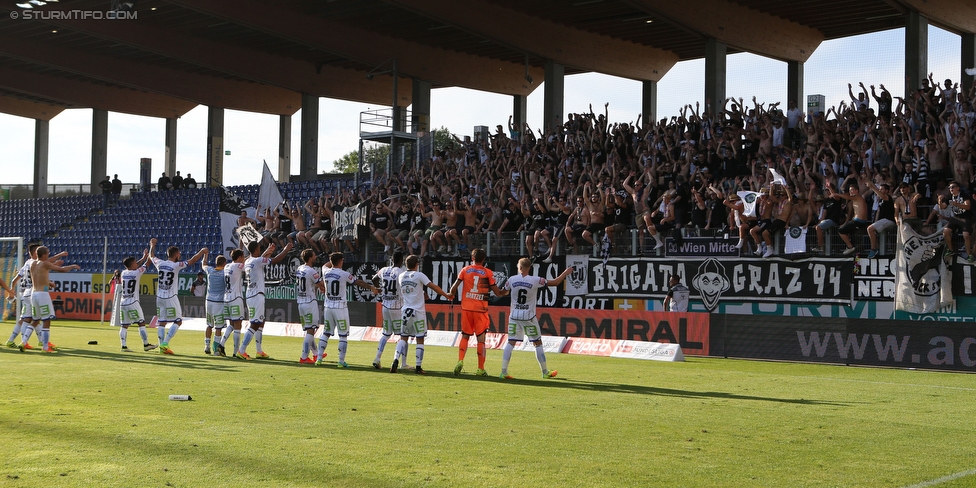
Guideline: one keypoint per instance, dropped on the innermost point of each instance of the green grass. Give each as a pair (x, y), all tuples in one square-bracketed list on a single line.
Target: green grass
[(93, 416)]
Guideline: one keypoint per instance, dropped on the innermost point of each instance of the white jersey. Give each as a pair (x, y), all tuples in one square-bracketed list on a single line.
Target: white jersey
[(26, 285), (254, 269), (233, 281), (336, 281), (679, 298), (390, 289), (412, 289), (525, 292), (167, 286), (130, 285), (307, 277), (216, 284)]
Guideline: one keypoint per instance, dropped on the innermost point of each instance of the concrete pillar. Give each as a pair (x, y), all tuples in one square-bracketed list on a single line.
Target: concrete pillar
[(715, 52), (420, 122), (552, 112), (215, 147), (42, 132), (99, 155), (649, 103), (169, 159), (309, 165), (968, 55), (916, 51), (519, 111), (284, 148), (794, 83)]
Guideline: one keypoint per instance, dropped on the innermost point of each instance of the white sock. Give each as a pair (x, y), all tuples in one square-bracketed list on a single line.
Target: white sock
[(237, 341), (123, 334), (257, 339), (17, 329), (27, 332), (506, 357), (379, 349), (45, 337), (248, 335), (420, 354), (143, 334), (307, 345), (323, 343), (173, 329), (161, 332), (401, 349), (540, 355), (343, 344)]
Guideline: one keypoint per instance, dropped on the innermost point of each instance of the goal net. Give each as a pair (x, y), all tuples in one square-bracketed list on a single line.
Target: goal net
[(11, 260)]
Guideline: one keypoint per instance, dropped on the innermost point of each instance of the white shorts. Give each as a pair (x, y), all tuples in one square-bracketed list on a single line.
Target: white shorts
[(235, 309), (882, 225), (336, 320), (392, 321), (517, 329), (169, 309), (414, 322), (309, 313), (43, 308), (215, 314), (132, 314), (26, 311), (255, 308)]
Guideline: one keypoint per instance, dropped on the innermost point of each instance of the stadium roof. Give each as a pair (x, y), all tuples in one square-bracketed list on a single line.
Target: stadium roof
[(260, 56)]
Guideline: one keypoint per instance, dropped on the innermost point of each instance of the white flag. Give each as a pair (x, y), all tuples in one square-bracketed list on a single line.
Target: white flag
[(923, 279), (777, 178), (748, 202), (268, 195), (796, 240), (576, 283)]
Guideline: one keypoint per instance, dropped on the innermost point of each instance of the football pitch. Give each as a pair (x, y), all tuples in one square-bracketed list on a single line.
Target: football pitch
[(94, 416)]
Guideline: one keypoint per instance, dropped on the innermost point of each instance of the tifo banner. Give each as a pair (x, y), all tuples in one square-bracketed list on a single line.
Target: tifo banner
[(348, 218), (231, 207), (576, 282), (874, 279), (923, 278), (823, 280)]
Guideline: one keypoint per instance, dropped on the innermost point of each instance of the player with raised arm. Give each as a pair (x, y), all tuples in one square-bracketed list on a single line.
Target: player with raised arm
[(478, 282), (336, 313), (216, 289), (130, 308), (25, 287), (308, 281), (235, 310), (168, 307), (43, 307), (524, 289), (392, 303), (254, 269), (413, 284)]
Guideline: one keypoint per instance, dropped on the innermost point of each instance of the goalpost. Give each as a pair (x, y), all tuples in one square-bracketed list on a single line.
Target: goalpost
[(11, 260)]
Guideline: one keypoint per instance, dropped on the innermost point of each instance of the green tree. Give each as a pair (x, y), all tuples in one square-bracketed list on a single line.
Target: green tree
[(443, 140), (346, 164)]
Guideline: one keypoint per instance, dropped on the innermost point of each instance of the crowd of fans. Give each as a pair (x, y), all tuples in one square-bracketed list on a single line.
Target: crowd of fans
[(860, 167)]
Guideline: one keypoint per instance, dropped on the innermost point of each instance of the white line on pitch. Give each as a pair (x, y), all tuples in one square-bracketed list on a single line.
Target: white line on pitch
[(944, 479)]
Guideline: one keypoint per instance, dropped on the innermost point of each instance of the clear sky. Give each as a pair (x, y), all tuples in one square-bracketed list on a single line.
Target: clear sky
[(872, 58)]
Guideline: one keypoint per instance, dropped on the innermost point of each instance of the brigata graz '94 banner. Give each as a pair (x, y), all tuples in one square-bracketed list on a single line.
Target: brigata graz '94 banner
[(711, 279)]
